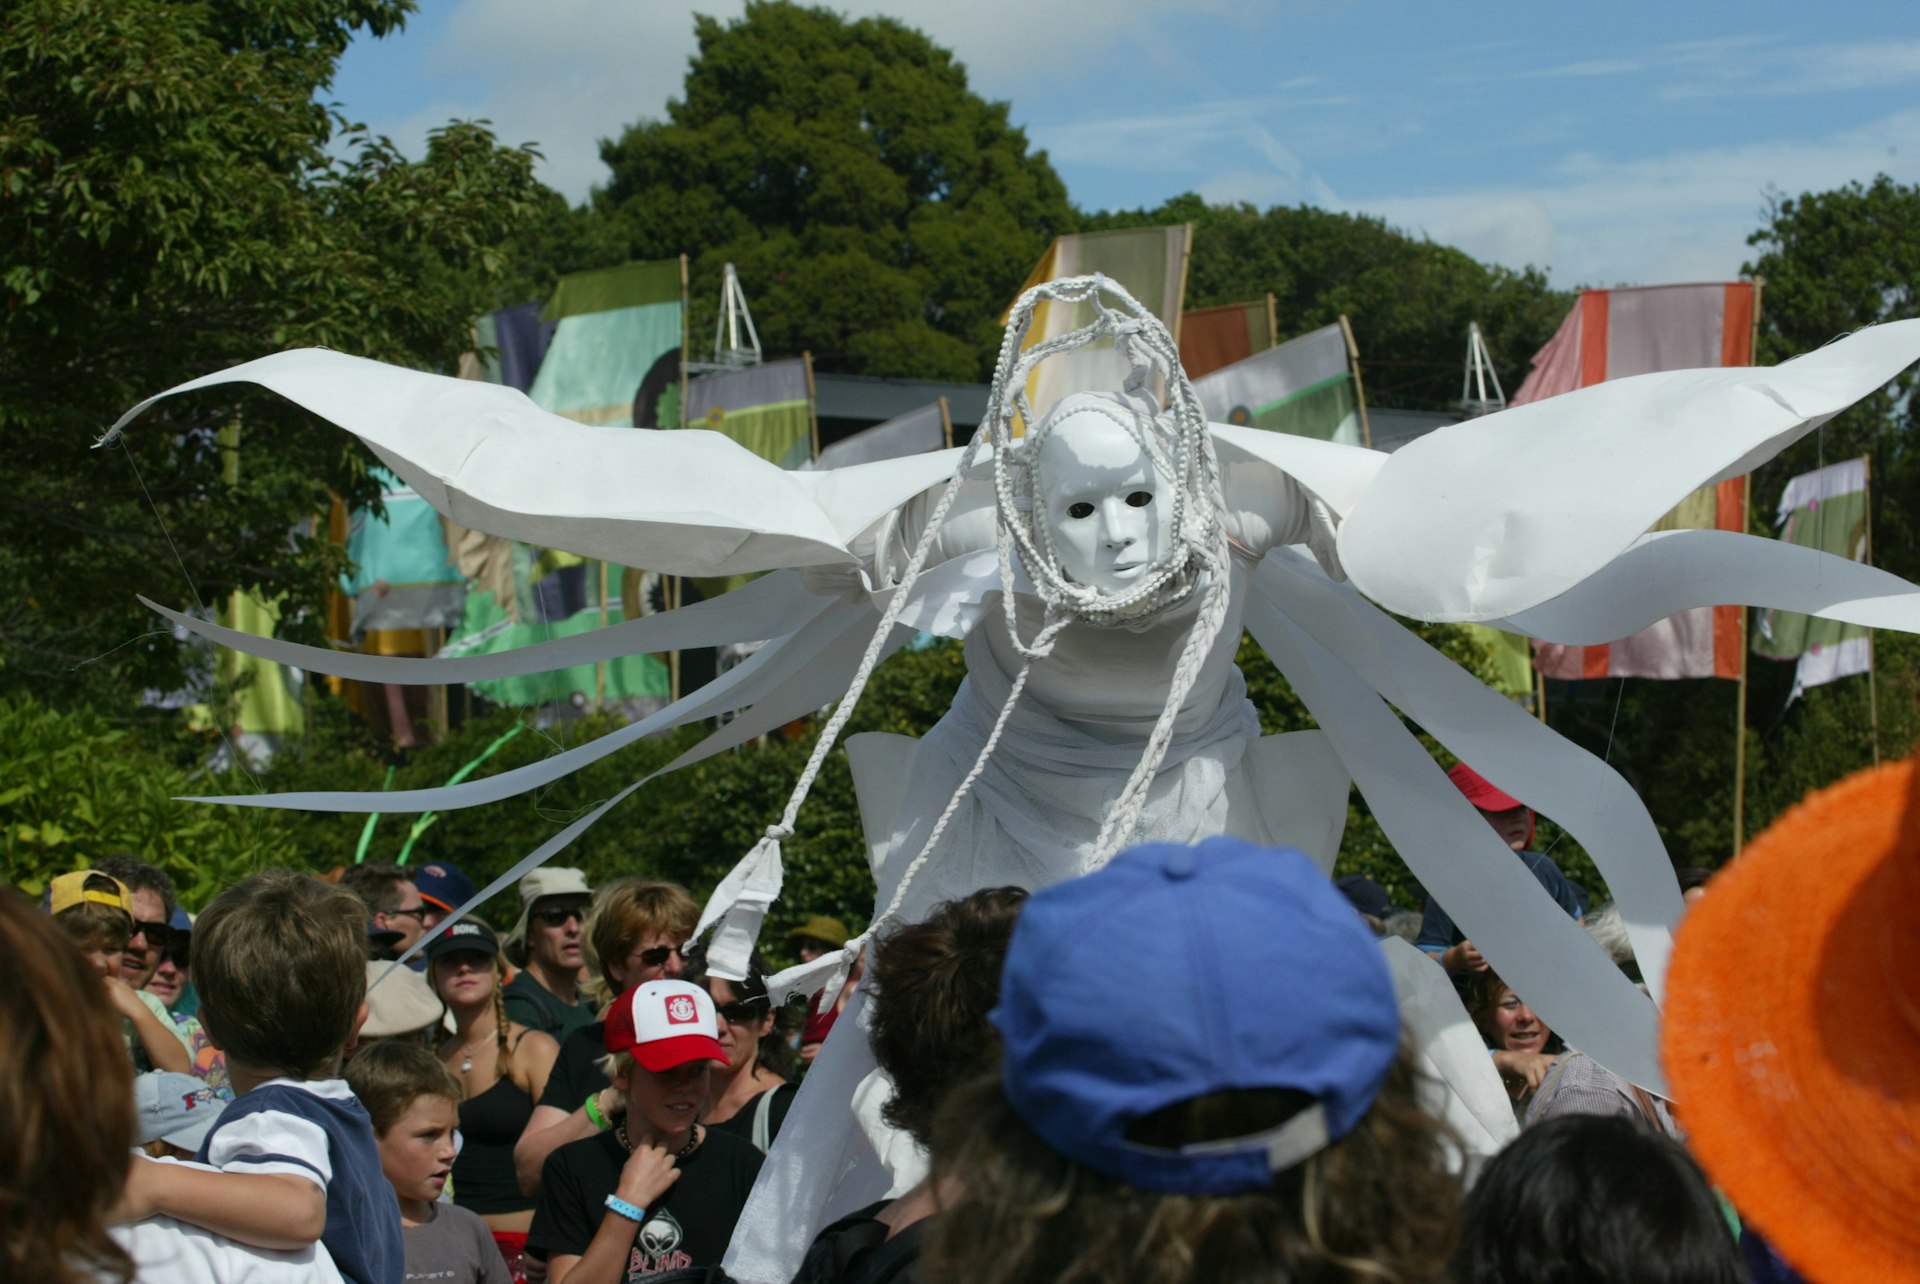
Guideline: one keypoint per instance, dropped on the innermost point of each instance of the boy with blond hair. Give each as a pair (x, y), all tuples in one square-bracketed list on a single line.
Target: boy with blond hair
[(279, 963), (414, 1100)]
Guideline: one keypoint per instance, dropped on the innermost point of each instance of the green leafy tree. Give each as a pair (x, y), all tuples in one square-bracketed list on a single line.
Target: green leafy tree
[(880, 213), (173, 199), (1408, 299)]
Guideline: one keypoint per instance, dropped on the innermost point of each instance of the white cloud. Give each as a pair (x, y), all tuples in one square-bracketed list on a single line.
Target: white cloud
[(1682, 215), (567, 73)]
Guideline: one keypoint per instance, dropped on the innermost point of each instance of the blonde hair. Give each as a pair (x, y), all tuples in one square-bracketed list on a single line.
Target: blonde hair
[(625, 912)]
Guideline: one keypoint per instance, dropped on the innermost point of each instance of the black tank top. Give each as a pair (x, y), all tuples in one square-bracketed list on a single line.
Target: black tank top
[(483, 1178)]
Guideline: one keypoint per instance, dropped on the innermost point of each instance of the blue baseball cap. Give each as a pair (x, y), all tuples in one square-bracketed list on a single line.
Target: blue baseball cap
[(1175, 972), (442, 885)]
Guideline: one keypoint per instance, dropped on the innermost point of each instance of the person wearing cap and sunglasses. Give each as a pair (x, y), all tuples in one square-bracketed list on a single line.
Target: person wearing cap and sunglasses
[(154, 902), (635, 929), (548, 944), (658, 1191), (503, 1068), (1250, 1114), (96, 912)]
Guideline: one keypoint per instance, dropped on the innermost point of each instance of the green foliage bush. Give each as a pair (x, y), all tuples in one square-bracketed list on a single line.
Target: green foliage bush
[(78, 788)]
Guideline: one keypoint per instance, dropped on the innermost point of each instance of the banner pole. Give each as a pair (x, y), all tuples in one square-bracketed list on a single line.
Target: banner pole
[(1746, 523), (813, 407), (1180, 302), (1359, 388), (1273, 321), (1873, 681), (600, 666)]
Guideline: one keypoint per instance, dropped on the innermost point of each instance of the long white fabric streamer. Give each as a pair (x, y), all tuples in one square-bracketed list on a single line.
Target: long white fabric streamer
[(1528, 939), (1670, 571), (738, 688), (764, 608), (809, 688)]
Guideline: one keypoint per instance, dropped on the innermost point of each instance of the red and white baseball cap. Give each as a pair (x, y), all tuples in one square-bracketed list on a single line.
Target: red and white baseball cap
[(665, 1024)]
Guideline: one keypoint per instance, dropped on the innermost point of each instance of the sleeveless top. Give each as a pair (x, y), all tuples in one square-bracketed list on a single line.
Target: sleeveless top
[(483, 1177)]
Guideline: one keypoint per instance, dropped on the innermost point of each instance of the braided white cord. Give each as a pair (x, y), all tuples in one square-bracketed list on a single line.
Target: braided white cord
[(1042, 644), (1123, 818), (783, 828)]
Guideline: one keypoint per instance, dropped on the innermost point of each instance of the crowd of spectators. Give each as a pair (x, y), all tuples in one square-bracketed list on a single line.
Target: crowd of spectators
[(1188, 1065)]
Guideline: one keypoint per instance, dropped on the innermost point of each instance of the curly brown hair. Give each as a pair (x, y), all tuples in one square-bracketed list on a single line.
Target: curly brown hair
[(933, 984), (1378, 1206), (66, 1092)]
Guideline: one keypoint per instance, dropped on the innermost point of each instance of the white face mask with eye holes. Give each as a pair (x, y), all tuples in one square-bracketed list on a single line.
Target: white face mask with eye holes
[(1107, 511)]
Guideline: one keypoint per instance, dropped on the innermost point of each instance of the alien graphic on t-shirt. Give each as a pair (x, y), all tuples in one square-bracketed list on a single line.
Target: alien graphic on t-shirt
[(657, 1247)]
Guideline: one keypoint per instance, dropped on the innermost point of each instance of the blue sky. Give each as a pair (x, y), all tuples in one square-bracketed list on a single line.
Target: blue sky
[(1628, 143)]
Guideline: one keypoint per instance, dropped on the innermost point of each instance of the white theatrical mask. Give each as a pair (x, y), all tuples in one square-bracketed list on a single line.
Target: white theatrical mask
[(1107, 509)]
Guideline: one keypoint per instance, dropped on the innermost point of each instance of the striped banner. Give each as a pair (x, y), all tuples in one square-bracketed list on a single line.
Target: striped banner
[(1612, 334), (1304, 387), (1211, 338), (1827, 510), (1151, 262)]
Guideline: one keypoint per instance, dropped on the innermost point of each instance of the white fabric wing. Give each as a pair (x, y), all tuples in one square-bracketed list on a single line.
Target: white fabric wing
[(1490, 517)]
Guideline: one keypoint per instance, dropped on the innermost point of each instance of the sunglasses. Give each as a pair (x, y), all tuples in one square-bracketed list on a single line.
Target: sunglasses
[(557, 915), (159, 935), (741, 1011), (658, 955), (418, 911)]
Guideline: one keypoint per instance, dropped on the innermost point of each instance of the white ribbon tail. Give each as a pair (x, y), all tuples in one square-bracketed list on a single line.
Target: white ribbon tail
[(739, 906), (827, 974)]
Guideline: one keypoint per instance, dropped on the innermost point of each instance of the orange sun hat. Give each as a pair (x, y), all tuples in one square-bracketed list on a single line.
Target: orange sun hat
[(1792, 1030)]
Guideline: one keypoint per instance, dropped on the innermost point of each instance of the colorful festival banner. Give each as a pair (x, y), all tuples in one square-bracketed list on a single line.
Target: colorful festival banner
[(402, 577), (613, 325), (765, 408), (1211, 338), (1151, 262), (1304, 387), (1611, 334), (1827, 510)]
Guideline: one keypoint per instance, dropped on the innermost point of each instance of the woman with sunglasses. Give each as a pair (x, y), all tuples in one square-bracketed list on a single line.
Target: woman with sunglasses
[(504, 1069), (634, 932), (750, 1095), (172, 984)]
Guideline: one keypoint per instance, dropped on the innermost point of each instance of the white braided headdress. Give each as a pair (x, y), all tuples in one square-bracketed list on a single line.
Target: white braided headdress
[(1180, 447)]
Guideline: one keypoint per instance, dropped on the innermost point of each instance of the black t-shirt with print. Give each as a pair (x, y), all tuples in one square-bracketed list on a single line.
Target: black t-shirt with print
[(688, 1226), (576, 1071)]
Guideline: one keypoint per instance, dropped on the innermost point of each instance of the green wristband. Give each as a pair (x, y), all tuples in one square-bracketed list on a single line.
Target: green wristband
[(594, 1116)]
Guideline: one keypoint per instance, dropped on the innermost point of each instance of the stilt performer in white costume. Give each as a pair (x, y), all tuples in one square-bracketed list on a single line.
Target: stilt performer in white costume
[(1100, 570)]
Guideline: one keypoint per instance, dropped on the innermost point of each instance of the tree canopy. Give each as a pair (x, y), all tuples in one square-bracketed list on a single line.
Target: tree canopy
[(176, 200), (880, 213)]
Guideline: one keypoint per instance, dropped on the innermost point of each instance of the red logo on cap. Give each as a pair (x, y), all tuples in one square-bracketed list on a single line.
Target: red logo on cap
[(681, 1011)]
